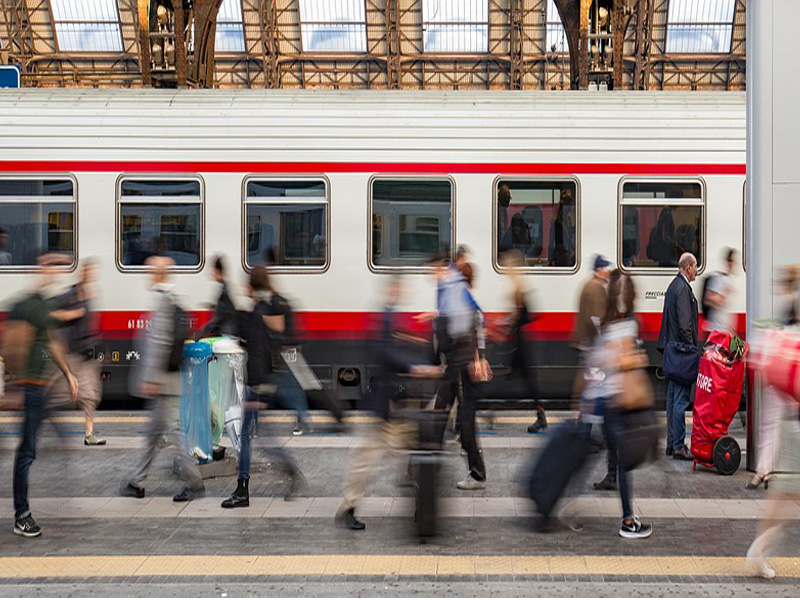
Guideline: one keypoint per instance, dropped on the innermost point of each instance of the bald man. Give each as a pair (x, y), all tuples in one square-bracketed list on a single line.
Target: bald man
[(154, 381), (679, 323)]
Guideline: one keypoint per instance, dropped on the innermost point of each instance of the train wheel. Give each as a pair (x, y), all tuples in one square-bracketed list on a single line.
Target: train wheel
[(727, 455)]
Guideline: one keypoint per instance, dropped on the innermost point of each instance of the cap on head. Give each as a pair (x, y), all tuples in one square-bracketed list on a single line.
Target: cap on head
[(600, 262)]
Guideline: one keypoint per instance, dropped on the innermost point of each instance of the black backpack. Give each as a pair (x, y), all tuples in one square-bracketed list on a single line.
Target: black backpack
[(181, 331), (705, 307)]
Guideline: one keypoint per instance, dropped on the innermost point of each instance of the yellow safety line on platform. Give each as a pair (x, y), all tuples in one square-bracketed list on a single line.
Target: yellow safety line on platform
[(360, 564)]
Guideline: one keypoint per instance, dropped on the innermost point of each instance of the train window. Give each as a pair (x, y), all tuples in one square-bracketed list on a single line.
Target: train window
[(37, 216), (286, 224), (160, 217), (538, 219), (411, 220), (659, 221)]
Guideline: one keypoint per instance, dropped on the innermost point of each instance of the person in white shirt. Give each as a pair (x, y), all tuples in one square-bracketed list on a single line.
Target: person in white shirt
[(718, 296)]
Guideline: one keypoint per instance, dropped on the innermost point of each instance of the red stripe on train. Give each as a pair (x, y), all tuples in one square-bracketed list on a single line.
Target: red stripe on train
[(551, 326), (31, 166)]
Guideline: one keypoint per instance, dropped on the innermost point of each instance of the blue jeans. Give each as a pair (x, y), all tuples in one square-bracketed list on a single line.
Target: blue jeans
[(677, 401), (290, 395), (612, 426), (34, 415), (249, 418)]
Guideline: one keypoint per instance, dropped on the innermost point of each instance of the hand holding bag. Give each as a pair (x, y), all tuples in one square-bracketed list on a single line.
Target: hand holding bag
[(681, 362)]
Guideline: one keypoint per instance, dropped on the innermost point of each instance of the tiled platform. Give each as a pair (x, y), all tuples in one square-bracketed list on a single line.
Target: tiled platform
[(703, 523)]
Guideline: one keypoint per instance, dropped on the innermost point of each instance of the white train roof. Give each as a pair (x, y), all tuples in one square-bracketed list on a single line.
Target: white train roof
[(376, 126)]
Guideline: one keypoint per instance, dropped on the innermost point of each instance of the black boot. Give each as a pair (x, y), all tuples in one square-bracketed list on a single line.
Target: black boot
[(348, 520), (540, 424), (240, 497)]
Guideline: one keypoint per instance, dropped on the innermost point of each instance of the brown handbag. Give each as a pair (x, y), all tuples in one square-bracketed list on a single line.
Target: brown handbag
[(637, 391)]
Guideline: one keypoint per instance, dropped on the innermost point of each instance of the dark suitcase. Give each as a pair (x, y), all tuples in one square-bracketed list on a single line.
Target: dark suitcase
[(564, 455)]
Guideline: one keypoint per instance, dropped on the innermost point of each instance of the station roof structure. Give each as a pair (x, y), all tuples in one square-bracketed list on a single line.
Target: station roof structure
[(378, 44)]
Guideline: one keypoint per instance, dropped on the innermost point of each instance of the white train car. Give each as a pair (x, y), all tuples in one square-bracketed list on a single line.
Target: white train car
[(337, 189)]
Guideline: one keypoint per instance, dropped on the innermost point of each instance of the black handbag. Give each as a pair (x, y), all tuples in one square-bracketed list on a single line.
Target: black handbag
[(681, 362)]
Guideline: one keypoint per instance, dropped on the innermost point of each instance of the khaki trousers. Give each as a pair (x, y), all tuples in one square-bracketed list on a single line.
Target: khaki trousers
[(385, 436)]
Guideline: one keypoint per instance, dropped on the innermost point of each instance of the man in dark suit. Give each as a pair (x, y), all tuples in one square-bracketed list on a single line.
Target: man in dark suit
[(679, 323)]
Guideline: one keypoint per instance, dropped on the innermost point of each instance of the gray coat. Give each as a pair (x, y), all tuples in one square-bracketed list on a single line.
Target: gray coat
[(154, 347)]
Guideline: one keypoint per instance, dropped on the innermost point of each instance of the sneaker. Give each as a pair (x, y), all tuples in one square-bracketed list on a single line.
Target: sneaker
[(635, 530), (93, 440), (134, 491), (27, 527), (300, 430), (470, 483)]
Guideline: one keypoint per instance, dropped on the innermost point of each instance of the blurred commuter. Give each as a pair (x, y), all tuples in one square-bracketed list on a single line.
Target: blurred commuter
[(261, 388), (591, 308), (79, 332), (718, 291), (461, 339), (784, 493), (773, 407), (617, 354), (36, 333), (224, 320), (157, 379), (280, 327), (523, 361), (679, 323), (389, 433)]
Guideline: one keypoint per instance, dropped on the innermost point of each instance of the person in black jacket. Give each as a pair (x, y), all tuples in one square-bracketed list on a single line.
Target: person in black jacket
[(252, 329), (224, 321), (679, 323)]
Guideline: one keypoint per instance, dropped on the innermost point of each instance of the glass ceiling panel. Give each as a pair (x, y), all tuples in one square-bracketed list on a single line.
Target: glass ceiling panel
[(333, 26), (455, 26), (700, 26), (87, 25), (556, 35), (230, 27)]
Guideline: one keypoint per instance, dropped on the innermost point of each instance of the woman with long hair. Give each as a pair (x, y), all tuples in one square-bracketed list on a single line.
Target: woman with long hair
[(522, 360), (615, 344)]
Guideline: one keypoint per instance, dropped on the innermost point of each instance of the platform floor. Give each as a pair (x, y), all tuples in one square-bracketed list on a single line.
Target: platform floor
[(95, 543)]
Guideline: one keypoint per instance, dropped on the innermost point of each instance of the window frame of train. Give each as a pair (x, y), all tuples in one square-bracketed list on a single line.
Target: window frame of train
[(415, 265), (278, 201), (174, 199), (44, 199), (623, 202), (555, 181)]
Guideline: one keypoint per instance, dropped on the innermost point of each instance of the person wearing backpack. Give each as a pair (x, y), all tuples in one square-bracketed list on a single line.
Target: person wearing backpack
[(35, 310), (717, 289), (157, 379), (252, 329), (79, 331)]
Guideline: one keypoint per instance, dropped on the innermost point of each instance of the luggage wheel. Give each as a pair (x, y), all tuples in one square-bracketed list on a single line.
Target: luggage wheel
[(726, 455)]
